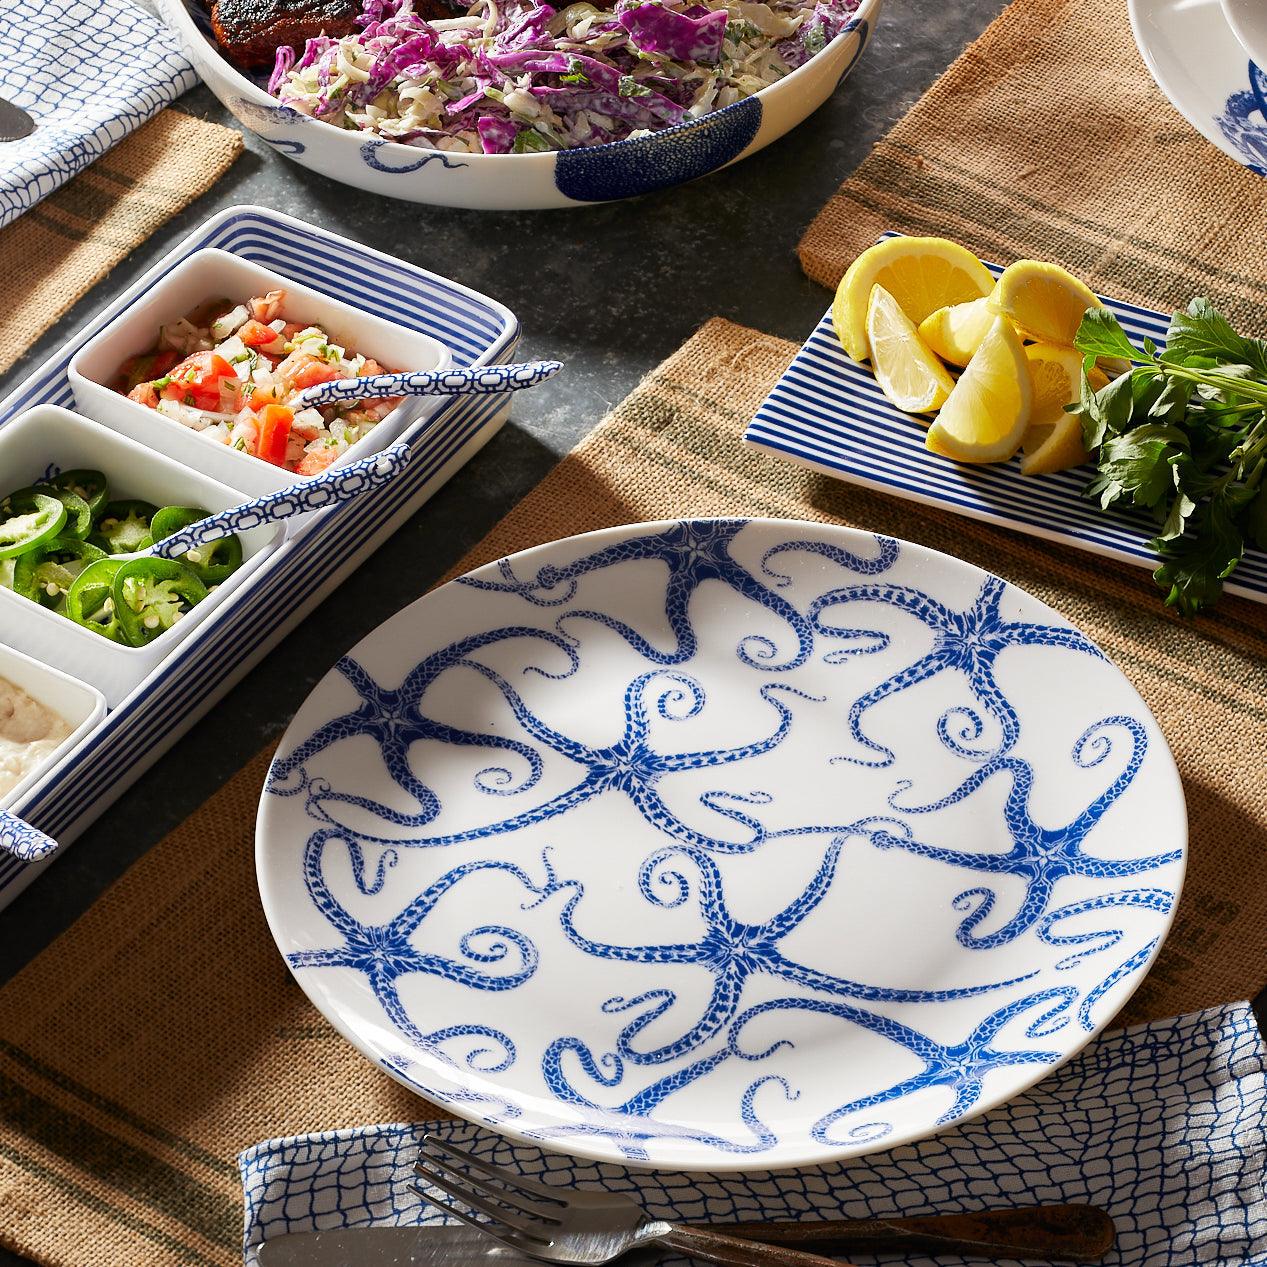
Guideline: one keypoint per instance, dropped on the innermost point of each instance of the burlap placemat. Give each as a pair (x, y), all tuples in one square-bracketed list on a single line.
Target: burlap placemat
[(162, 1033), (63, 246), (1048, 137)]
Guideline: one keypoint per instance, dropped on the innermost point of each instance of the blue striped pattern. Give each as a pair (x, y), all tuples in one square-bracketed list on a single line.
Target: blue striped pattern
[(828, 413), (324, 547)]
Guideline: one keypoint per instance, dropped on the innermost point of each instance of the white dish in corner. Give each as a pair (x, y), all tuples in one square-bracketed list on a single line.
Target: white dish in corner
[(1197, 61), (79, 705), (211, 274)]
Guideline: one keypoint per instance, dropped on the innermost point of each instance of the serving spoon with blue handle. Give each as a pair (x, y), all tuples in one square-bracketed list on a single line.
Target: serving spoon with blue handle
[(479, 380)]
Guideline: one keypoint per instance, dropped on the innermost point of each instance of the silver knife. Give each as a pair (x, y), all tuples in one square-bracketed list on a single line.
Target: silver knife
[(1047, 1233), (15, 123), (389, 1247)]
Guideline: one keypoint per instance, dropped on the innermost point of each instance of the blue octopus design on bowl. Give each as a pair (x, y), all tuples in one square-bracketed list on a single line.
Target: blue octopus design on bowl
[(620, 169), (719, 842)]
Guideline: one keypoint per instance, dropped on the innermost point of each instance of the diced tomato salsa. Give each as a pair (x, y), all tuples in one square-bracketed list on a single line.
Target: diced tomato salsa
[(232, 372)]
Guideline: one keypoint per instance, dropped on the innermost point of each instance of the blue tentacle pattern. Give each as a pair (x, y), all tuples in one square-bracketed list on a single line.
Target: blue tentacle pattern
[(693, 552), (630, 765), (631, 1124), (1040, 856), (732, 950), (394, 719), (961, 1068), (385, 953), (968, 642)]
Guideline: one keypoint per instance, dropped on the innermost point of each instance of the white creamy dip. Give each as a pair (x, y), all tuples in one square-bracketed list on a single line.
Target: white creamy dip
[(29, 734)]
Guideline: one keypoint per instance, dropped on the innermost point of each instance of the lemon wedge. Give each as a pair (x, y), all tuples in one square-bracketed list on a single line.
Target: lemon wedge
[(1053, 441), (1043, 301), (1053, 446), (922, 275), (1056, 373), (909, 374), (985, 418), (956, 331)]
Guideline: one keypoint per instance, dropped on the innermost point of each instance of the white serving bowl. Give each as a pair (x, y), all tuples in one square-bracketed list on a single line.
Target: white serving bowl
[(209, 274), (502, 182), (47, 439), (81, 707)]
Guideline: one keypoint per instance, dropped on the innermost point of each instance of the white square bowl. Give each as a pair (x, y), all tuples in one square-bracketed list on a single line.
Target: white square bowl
[(210, 274), (81, 707), (46, 439)]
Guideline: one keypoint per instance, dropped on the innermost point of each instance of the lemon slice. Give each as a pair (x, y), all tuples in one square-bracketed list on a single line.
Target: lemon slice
[(1053, 441), (922, 274), (985, 418), (1053, 446), (1043, 301), (956, 331), (909, 374), (1057, 377)]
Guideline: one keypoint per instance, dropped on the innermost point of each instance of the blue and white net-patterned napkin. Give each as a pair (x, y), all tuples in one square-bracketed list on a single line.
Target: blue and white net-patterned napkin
[(1163, 1125), (89, 72)]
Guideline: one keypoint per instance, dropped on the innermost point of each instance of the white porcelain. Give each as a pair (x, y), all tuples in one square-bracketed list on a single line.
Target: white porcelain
[(209, 274), (1200, 65), (79, 705), (46, 439), (722, 844), (496, 182), (1248, 20)]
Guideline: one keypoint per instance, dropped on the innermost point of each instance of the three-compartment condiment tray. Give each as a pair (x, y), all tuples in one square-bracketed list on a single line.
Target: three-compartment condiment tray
[(110, 749)]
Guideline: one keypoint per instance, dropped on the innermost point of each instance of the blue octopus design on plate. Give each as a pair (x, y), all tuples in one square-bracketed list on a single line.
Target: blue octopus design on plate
[(731, 949), (960, 1067), (581, 827), (1040, 856), (1243, 122), (968, 641)]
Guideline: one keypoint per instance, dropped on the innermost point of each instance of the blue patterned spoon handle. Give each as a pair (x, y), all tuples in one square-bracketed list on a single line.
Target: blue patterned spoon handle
[(482, 380), (335, 485), (22, 840)]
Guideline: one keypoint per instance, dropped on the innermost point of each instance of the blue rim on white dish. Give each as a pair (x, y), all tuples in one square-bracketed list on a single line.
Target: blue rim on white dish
[(827, 412), (600, 173), (317, 553), (1197, 61), (721, 844)]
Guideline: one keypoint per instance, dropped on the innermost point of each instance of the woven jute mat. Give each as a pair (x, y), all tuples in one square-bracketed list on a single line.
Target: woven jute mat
[(61, 248), (1048, 137), (162, 1032)]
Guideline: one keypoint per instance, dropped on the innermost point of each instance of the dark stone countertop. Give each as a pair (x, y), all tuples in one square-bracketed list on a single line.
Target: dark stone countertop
[(611, 290)]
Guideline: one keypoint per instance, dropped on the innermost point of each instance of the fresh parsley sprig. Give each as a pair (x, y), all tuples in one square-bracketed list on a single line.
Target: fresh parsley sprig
[(1182, 434)]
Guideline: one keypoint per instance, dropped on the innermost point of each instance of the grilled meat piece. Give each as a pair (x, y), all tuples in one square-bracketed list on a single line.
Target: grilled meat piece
[(251, 31)]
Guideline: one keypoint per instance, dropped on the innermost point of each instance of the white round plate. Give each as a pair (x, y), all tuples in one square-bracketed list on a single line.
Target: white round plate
[(1200, 65), (721, 844)]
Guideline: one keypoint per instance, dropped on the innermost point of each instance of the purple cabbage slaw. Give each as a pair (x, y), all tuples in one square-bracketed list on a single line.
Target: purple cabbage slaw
[(512, 76)]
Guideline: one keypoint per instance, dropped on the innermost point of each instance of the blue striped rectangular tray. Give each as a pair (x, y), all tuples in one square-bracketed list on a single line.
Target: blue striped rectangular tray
[(319, 551), (827, 412)]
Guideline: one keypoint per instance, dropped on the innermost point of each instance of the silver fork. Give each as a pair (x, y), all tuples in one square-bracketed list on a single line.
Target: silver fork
[(564, 1225)]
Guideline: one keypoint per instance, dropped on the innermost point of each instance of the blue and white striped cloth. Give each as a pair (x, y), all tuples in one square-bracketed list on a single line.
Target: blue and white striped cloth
[(89, 72), (1163, 1125)]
